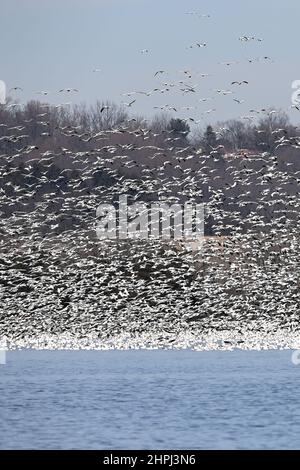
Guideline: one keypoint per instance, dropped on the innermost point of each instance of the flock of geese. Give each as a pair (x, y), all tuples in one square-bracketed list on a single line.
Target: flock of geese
[(62, 286)]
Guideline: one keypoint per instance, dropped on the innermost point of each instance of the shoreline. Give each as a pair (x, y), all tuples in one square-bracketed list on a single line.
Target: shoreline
[(223, 340)]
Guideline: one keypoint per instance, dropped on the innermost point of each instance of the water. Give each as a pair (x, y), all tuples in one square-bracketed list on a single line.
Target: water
[(149, 400)]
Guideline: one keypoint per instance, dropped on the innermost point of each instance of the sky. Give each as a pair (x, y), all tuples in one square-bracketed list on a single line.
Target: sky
[(48, 45)]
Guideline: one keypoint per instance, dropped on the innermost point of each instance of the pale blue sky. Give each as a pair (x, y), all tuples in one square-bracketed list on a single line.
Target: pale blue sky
[(54, 44)]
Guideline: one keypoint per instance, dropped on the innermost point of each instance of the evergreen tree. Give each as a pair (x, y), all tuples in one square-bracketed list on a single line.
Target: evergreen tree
[(209, 139), (179, 129)]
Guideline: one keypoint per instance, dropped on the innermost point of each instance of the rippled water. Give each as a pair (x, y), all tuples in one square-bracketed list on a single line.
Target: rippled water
[(149, 400)]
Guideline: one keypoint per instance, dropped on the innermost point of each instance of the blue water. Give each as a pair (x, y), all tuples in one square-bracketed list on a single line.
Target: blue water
[(149, 400)]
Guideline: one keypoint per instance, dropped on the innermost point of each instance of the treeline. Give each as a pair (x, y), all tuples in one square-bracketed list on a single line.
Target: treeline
[(258, 136), (75, 127), (52, 127), (66, 160)]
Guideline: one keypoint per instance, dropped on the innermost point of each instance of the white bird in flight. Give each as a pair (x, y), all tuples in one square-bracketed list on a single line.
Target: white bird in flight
[(197, 14), (15, 88), (249, 38), (68, 90), (240, 83), (129, 104)]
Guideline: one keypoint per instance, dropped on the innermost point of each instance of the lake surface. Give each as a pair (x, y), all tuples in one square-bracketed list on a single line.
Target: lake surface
[(149, 400)]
